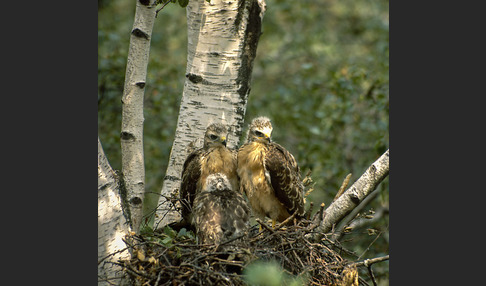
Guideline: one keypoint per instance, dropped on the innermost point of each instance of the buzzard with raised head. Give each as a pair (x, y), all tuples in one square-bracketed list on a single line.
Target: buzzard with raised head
[(269, 175), (212, 158)]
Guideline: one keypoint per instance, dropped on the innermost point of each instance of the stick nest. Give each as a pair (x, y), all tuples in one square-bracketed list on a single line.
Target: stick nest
[(174, 258)]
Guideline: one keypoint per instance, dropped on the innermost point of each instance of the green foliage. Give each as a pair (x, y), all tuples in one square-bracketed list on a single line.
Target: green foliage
[(168, 237), (269, 273)]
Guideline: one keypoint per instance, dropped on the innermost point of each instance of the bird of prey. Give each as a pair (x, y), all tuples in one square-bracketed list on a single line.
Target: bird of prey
[(212, 158), (269, 175), (219, 212)]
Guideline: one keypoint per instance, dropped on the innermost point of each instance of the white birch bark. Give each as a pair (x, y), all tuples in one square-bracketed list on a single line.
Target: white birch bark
[(112, 224), (133, 167), (354, 195), (222, 42)]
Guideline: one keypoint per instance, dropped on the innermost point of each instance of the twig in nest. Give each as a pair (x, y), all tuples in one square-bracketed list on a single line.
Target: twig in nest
[(111, 254), (340, 247), (318, 217), (129, 268), (343, 187), (234, 238), (264, 225), (309, 211), (279, 226), (158, 279), (229, 262), (183, 263), (298, 258)]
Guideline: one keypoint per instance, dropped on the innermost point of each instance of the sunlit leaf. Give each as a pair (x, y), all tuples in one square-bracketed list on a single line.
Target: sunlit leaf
[(140, 255)]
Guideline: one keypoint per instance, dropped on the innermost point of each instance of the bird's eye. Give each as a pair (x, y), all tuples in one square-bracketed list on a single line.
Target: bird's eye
[(213, 137), (258, 133)]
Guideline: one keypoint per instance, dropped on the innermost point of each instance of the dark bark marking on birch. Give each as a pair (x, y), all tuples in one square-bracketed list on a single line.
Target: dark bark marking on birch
[(240, 111), (196, 104), (127, 136), (144, 2), (194, 78), (104, 186), (373, 169), (140, 34), (135, 201), (252, 35), (171, 178), (119, 178), (354, 198), (140, 84), (239, 14)]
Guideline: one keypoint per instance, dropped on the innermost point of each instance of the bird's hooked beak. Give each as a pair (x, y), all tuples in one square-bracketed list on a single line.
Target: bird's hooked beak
[(223, 141), (220, 185), (268, 138)]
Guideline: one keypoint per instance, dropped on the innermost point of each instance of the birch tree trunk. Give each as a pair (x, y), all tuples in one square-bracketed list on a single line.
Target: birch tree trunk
[(222, 42), (354, 195), (133, 167), (112, 224)]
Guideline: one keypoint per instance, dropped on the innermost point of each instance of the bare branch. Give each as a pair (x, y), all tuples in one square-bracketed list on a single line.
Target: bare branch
[(349, 220), (354, 195), (163, 6), (368, 262), (343, 186)]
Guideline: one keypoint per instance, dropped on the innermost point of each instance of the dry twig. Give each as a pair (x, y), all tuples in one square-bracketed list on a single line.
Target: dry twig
[(343, 186), (185, 262)]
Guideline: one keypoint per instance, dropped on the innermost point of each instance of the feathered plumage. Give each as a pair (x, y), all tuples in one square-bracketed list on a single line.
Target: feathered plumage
[(269, 174), (212, 158), (219, 212)]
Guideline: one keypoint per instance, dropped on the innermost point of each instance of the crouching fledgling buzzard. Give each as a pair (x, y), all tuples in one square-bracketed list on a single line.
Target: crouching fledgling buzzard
[(219, 212)]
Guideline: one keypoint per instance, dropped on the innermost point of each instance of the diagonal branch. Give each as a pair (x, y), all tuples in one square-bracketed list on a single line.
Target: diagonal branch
[(354, 195)]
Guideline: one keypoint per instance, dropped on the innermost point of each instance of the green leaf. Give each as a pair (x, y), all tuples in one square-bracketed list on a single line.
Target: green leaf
[(146, 230), (170, 232), (182, 232), (167, 241), (183, 3)]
